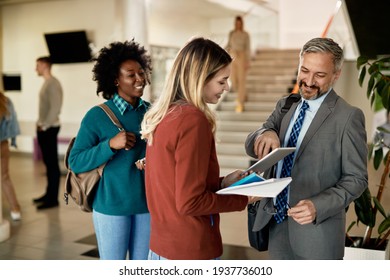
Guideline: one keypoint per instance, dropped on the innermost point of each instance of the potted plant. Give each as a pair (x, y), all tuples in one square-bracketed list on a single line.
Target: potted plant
[(367, 207)]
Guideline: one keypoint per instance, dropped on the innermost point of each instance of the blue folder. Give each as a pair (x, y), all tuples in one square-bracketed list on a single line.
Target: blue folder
[(251, 178)]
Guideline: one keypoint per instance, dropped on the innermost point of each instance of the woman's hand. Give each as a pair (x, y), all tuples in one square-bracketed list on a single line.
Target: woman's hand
[(123, 140), (232, 178), (141, 163)]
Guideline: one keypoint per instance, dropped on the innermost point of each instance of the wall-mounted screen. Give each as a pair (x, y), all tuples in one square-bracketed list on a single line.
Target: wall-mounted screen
[(68, 47), (12, 82)]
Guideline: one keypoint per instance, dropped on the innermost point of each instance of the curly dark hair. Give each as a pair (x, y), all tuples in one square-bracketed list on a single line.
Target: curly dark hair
[(106, 68)]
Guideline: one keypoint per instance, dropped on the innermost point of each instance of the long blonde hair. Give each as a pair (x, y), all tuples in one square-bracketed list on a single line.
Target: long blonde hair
[(196, 63)]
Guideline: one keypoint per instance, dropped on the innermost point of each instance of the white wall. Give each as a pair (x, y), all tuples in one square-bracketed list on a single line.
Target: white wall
[(23, 26), (174, 31), (23, 33), (347, 87), (301, 20)]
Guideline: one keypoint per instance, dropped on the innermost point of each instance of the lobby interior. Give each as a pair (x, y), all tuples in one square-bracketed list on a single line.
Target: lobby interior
[(65, 232)]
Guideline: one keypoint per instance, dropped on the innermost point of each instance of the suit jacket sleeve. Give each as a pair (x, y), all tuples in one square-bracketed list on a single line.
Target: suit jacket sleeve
[(272, 123)]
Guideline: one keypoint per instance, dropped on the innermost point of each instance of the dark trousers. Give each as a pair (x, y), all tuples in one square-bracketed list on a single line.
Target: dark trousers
[(48, 144)]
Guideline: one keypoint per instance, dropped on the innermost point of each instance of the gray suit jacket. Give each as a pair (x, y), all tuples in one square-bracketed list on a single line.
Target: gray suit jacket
[(330, 169)]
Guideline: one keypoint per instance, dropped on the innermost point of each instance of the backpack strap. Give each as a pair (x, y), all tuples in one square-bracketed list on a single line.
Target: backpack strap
[(114, 120), (292, 98), (112, 116), (70, 145)]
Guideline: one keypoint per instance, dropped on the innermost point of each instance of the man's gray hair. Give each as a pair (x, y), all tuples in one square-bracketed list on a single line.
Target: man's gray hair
[(325, 45)]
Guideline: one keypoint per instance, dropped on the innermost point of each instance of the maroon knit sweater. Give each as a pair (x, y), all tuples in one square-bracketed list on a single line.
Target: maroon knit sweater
[(182, 176)]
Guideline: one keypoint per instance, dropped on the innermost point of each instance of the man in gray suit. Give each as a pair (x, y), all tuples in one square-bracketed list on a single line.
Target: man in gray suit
[(330, 163)]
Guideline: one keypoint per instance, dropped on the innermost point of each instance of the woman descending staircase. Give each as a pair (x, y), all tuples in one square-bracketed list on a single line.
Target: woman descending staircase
[(270, 77)]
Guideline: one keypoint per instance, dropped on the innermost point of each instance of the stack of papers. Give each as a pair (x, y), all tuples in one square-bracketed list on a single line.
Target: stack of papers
[(266, 188), (254, 184)]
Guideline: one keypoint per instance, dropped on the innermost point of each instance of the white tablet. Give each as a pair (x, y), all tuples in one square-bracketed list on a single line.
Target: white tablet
[(269, 160)]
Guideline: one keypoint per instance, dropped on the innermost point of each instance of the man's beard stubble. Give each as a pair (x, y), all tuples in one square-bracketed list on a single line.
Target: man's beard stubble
[(319, 93)]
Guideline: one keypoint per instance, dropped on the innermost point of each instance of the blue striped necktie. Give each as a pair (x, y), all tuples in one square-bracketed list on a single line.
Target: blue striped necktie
[(281, 199)]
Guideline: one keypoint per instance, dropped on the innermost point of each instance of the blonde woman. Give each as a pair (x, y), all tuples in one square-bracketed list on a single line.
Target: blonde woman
[(9, 129), (182, 171)]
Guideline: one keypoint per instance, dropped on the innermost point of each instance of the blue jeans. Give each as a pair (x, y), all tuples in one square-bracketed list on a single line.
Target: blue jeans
[(118, 235)]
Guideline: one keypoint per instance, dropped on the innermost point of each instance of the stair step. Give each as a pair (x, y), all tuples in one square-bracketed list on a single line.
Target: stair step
[(237, 137), (226, 170), (270, 77), (236, 162), (268, 88), (244, 116), (237, 149), (275, 63), (250, 83), (239, 126), (272, 71), (272, 53), (257, 97), (249, 106)]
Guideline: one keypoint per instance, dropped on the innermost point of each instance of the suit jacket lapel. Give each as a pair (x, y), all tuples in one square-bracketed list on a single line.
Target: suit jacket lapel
[(323, 112)]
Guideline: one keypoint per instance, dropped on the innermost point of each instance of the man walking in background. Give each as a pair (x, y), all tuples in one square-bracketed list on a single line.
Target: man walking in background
[(48, 127)]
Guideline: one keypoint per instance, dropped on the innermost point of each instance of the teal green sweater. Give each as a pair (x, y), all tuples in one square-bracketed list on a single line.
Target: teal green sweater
[(121, 190)]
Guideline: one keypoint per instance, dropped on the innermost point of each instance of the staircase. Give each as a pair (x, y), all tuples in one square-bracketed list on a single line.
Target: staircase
[(271, 76)]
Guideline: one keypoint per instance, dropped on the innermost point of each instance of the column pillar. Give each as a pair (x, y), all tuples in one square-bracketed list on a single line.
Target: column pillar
[(133, 22)]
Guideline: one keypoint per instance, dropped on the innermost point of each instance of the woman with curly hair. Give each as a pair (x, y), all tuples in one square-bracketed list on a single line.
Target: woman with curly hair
[(120, 214)]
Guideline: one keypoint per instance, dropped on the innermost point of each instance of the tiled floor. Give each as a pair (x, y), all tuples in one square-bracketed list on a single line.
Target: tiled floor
[(66, 233)]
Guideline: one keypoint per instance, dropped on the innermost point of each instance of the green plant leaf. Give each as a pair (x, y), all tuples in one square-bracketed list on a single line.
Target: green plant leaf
[(385, 94), (373, 101), (364, 210), (377, 103), (351, 226), (361, 60), (362, 75), (384, 59), (378, 157), (370, 150), (380, 85), (373, 69), (370, 86), (385, 98), (385, 225), (379, 207), (381, 128)]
